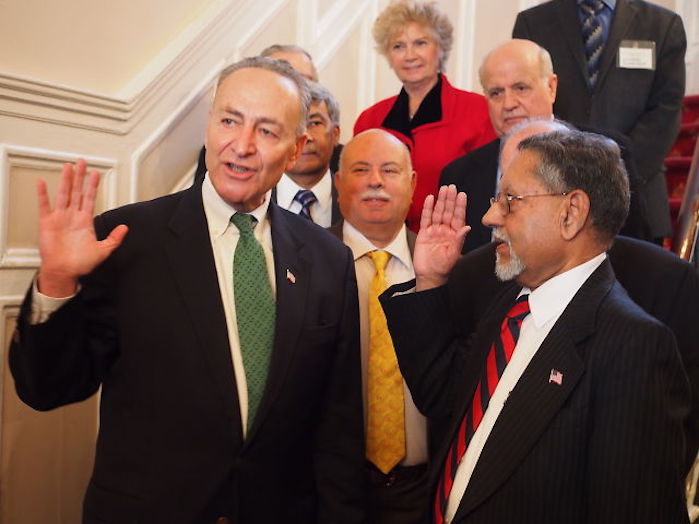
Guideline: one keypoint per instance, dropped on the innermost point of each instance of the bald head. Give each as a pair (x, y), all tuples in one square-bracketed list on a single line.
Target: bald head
[(524, 130), (375, 185), (519, 83)]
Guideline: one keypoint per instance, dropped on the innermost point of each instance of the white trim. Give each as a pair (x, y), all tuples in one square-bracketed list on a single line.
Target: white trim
[(34, 158), (118, 113), (465, 43)]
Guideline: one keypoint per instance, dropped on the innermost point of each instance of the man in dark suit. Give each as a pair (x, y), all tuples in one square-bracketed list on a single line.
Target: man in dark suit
[(632, 83), (375, 186), (519, 84), (307, 187), (571, 408), (228, 394)]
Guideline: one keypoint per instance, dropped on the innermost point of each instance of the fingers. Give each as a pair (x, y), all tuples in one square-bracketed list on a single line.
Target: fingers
[(438, 212), (458, 217), (43, 198), (93, 182), (426, 217), (65, 186), (76, 195)]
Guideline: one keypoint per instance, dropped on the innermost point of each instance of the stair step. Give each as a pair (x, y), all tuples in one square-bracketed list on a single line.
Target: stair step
[(678, 162), (690, 111), (686, 138)]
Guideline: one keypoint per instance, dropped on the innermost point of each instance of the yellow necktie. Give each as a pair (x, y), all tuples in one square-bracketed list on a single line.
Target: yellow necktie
[(385, 445)]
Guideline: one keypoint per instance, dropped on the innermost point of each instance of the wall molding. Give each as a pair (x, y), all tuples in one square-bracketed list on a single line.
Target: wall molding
[(12, 156), (119, 113)]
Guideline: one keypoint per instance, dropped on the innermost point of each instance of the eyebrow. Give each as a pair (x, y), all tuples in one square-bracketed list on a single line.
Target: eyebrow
[(261, 120), (317, 115), (362, 163)]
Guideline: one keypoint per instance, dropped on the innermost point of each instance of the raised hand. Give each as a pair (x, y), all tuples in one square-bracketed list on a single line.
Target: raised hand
[(442, 232), (67, 242)]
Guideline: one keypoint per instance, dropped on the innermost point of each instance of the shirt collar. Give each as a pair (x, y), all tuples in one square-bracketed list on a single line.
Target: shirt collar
[(361, 245), (287, 189), (219, 212), (548, 301), (611, 4)]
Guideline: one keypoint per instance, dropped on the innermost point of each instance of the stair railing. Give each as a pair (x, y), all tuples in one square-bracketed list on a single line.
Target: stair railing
[(685, 239)]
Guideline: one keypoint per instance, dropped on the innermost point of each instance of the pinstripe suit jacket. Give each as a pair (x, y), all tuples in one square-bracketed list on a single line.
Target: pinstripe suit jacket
[(605, 446)]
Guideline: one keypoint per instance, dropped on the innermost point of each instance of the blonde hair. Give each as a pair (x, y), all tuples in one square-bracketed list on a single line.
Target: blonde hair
[(399, 13)]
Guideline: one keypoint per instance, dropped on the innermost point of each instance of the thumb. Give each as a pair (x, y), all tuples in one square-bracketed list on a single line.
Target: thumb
[(115, 238)]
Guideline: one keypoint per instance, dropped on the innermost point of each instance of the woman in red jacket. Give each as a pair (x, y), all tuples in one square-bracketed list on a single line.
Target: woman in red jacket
[(436, 121)]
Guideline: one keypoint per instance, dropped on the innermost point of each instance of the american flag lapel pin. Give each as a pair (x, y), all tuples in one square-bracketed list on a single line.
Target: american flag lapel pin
[(290, 276), (556, 377)]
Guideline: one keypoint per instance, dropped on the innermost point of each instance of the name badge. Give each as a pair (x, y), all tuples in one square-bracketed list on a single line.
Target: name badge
[(636, 54)]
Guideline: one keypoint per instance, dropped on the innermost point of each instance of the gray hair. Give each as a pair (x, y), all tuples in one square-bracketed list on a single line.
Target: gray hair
[(290, 48), (320, 93), (589, 162), (282, 68), (551, 124), (399, 13)]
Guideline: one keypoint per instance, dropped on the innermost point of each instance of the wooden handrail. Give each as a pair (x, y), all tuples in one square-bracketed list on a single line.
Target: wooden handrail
[(685, 238)]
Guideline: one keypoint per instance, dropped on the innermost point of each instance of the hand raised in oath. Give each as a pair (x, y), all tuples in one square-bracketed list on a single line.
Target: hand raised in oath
[(67, 242), (442, 232)]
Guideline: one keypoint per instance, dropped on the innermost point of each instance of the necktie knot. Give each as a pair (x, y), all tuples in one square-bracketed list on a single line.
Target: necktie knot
[(244, 222), (306, 198), (380, 259), (592, 6), (520, 309)]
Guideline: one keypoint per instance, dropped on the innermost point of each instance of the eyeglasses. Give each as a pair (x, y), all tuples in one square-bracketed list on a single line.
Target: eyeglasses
[(503, 199)]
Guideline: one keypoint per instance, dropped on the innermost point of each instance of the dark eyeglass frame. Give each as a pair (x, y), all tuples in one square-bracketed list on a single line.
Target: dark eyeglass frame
[(503, 199)]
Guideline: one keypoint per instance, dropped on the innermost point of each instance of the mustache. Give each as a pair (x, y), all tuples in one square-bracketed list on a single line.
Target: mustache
[(500, 236), (374, 194)]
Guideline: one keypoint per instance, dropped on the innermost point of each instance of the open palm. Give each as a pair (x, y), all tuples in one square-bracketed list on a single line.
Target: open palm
[(442, 233), (67, 242)]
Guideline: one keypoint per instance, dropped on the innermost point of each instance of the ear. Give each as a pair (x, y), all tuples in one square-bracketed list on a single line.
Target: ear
[(298, 148), (553, 87), (574, 213), (335, 135)]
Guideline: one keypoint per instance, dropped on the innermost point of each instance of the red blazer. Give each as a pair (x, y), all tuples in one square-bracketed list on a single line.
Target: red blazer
[(465, 125)]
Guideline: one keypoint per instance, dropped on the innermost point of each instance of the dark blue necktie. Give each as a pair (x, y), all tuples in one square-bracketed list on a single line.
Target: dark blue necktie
[(593, 37), (306, 198)]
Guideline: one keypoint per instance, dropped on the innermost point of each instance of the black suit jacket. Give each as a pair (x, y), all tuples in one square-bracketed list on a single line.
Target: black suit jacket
[(148, 326), (475, 174), (644, 105), (604, 446)]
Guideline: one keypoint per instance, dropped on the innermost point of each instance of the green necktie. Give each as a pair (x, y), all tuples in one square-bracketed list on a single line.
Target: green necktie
[(255, 310)]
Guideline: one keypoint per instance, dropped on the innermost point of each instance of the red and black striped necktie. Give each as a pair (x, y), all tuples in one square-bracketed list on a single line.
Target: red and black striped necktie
[(498, 356)]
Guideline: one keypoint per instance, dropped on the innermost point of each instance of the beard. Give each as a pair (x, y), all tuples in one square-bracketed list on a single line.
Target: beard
[(513, 267)]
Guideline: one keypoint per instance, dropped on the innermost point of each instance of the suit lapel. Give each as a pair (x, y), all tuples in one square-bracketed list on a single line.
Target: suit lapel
[(191, 259), (292, 276), (534, 402), (624, 15), (569, 27)]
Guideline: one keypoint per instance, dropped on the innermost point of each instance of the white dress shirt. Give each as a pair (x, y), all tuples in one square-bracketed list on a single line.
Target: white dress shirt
[(546, 304), (321, 210), (399, 269), (224, 237)]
